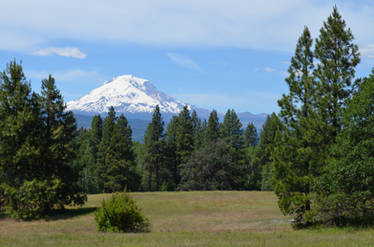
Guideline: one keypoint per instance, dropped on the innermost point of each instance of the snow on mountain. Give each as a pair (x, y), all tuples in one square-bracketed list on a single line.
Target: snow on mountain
[(126, 93)]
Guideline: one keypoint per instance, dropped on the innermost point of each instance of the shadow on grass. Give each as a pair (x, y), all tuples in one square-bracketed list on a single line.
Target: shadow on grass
[(3, 215), (69, 213)]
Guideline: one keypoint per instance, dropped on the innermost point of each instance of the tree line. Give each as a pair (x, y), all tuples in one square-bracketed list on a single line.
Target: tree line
[(186, 154)]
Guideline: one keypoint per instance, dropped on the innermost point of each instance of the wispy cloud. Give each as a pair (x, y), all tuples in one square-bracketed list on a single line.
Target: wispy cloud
[(258, 24), (64, 52), (183, 61), (68, 75), (368, 51), (269, 69)]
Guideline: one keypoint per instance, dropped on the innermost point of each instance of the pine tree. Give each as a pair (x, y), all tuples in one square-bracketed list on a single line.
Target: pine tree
[(108, 128), (170, 154), (153, 160), (183, 139), (212, 130), (197, 130), (261, 171), (20, 128), (92, 171), (231, 130), (250, 136), (119, 157), (337, 57), (297, 153), (347, 188)]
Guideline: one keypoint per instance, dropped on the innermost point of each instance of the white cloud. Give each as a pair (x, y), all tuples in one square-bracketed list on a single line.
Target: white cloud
[(64, 52), (183, 61), (68, 75), (269, 69), (258, 24), (368, 51)]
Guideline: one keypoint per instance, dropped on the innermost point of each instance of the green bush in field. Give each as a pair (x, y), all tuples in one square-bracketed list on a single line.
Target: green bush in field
[(37, 198), (120, 214)]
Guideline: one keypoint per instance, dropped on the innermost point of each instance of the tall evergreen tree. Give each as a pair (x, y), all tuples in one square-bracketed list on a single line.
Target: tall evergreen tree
[(231, 130), (36, 147), (20, 125), (92, 171), (261, 171), (197, 130), (337, 57), (184, 138), (171, 157), (119, 158), (297, 154), (153, 160), (108, 128), (212, 130), (347, 187), (250, 136)]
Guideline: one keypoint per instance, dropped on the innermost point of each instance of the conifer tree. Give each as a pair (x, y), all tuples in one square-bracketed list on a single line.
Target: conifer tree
[(347, 187), (297, 153), (20, 128), (212, 131), (108, 128), (231, 130), (119, 158), (153, 160), (250, 136), (171, 157), (261, 171), (183, 139), (337, 57), (92, 171), (197, 130)]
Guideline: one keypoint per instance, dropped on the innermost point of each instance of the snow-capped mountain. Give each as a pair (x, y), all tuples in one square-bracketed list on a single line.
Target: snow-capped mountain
[(126, 93)]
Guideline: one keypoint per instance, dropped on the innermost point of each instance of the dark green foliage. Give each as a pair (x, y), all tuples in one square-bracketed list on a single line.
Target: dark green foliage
[(171, 158), (119, 157), (214, 167), (337, 56), (156, 174), (250, 136), (36, 147), (120, 214), (198, 130), (231, 130), (261, 169), (297, 158), (311, 114), (20, 136), (35, 199), (346, 190), (212, 130), (184, 138), (103, 150)]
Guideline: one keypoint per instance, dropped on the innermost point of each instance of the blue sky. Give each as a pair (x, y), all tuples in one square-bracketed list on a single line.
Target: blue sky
[(211, 53)]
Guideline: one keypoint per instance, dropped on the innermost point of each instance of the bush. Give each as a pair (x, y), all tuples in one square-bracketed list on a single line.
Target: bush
[(36, 198), (120, 214)]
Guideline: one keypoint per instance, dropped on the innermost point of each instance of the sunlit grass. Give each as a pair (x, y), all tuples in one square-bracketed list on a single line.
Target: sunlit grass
[(184, 219)]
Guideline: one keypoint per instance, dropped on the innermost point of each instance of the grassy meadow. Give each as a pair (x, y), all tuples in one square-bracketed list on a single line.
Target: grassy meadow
[(183, 219)]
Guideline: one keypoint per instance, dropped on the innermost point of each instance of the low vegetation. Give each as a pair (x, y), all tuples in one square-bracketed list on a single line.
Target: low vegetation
[(120, 214)]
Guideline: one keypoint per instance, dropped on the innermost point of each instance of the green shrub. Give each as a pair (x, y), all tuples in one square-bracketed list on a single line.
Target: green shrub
[(120, 214), (36, 198)]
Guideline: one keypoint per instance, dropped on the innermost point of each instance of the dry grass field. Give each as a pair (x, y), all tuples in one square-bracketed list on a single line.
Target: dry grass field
[(183, 219)]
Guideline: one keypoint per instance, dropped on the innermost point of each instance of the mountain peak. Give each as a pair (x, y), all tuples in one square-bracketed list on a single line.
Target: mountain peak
[(126, 93)]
